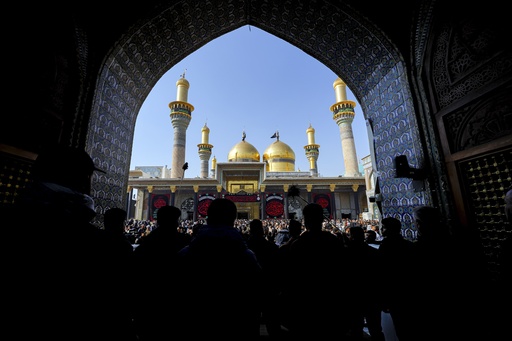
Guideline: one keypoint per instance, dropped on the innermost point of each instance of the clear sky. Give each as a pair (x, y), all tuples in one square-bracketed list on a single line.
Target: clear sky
[(248, 80)]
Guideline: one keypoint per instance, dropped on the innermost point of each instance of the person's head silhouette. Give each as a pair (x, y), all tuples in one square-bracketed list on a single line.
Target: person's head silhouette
[(221, 212), (114, 220), (256, 228), (168, 217), (66, 166), (391, 227), (313, 217), (61, 186)]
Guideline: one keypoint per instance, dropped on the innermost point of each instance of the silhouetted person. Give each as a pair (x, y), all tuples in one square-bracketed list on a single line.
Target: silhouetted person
[(164, 239), (397, 259), (120, 252), (363, 266), (264, 249), (443, 261), (316, 310), (437, 269), (266, 253), (114, 223), (156, 276), (281, 307), (295, 228), (222, 279), (60, 274)]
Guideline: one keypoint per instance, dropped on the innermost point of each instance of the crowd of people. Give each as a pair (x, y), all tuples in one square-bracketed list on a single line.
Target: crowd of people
[(222, 278), (274, 229)]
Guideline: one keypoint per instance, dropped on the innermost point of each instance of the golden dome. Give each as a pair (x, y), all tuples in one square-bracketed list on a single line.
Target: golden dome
[(243, 152), (279, 157)]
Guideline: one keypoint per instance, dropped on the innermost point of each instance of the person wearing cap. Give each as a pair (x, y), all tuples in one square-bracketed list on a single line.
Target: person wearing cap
[(62, 184), (68, 167), (58, 271)]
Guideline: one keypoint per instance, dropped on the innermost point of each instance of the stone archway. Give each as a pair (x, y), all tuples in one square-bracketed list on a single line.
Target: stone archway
[(336, 36)]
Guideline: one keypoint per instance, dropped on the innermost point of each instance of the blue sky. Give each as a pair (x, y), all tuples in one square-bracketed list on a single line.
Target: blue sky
[(248, 80)]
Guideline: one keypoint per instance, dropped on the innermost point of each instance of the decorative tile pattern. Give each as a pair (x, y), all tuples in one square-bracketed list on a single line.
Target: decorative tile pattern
[(335, 35)]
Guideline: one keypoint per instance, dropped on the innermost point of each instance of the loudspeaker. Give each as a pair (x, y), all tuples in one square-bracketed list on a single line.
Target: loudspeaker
[(402, 167), (376, 198), (403, 170)]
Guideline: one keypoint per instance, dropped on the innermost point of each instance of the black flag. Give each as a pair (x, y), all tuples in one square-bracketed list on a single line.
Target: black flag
[(273, 136)]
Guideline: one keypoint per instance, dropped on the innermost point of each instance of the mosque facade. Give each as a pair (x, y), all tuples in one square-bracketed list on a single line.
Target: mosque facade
[(263, 186)]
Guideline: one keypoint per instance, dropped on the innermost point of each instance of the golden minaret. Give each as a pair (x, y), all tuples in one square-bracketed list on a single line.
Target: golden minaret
[(205, 151), (312, 151), (343, 114), (214, 164), (181, 114)]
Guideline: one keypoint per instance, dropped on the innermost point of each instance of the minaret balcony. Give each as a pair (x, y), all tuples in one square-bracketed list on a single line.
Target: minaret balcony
[(181, 106), (205, 147), (312, 148), (343, 106)]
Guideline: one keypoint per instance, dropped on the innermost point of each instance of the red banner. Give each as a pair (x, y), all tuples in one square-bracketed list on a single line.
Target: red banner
[(157, 201), (324, 200), (203, 204), (274, 206)]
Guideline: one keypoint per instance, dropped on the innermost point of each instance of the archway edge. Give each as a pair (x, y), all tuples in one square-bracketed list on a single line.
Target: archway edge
[(331, 34), (335, 35)]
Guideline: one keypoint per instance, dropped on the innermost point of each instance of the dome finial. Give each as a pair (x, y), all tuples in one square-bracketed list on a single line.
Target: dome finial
[(183, 74), (276, 135)]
